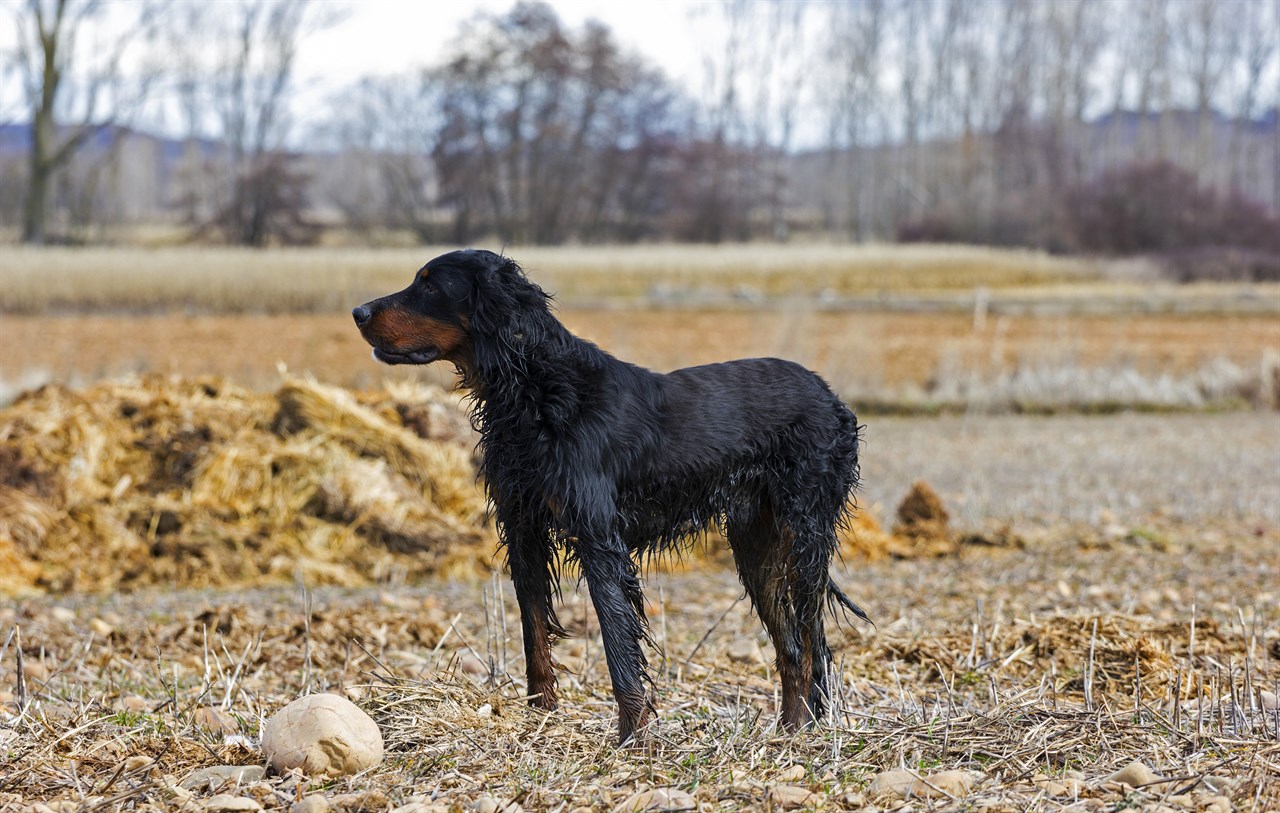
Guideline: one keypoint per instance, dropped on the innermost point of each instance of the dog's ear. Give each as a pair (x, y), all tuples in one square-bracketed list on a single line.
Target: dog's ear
[(502, 301)]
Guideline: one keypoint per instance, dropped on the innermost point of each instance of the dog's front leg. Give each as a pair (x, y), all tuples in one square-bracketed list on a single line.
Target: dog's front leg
[(614, 583), (531, 571)]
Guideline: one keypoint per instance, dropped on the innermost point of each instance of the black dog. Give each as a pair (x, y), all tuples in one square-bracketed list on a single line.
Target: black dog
[(592, 459)]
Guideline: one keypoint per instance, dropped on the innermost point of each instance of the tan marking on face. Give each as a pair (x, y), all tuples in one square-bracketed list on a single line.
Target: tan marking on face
[(399, 331)]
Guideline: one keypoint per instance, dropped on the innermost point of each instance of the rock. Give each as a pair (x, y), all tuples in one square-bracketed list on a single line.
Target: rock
[(1269, 701), (101, 628), (787, 797), (215, 720), (137, 763), (133, 703), (746, 650), (1068, 786), (226, 803), (322, 735), (795, 773), (63, 615), (943, 784), (422, 804), (902, 784), (892, 785), (657, 799), (218, 776), (1216, 804), (488, 804), (359, 802), (311, 804), (1135, 774)]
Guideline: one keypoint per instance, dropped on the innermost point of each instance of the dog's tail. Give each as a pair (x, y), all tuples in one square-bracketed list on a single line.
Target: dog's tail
[(839, 600)]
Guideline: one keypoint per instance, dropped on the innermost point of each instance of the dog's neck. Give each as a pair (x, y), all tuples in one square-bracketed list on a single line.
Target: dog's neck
[(529, 375)]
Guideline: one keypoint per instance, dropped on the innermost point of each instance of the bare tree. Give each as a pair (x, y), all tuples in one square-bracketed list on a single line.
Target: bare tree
[(265, 192), (384, 131), (542, 127), (73, 92)]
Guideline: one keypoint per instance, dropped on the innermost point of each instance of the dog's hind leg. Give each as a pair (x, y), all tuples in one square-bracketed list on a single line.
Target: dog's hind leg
[(762, 554), (614, 582)]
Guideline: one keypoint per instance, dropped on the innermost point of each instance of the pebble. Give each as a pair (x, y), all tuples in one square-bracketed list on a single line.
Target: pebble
[(63, 615), (1135, 774), (134, 703), (902, 784), (311, 804), (788, 797), (657, 799), (795, 773), (226, 803), (137, 763), (943, 784), (890, 784), (215, 720), (746, 650)]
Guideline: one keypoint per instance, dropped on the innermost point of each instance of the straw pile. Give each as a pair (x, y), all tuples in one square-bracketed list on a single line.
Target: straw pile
[(199, 483), (196, 482)]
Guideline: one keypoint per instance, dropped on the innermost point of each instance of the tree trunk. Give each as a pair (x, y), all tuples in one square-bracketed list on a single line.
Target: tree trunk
[(33, 214)]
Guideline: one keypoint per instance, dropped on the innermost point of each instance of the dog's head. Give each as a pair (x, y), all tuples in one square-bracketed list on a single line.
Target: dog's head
[(456, 303)]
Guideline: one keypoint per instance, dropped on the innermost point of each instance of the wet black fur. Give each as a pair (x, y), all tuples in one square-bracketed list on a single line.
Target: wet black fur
[(590, 459)]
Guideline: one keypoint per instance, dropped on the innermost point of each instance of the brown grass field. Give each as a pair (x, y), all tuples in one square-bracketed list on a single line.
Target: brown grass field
[(873, 358), (184, 555)]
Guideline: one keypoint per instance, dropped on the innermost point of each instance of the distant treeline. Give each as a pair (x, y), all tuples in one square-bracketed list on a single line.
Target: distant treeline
[(1073, 125)]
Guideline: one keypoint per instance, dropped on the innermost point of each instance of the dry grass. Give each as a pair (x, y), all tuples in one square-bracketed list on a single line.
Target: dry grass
[(223, 280), (200, 483), (891, 360), (1026, 672), (1137, 621)]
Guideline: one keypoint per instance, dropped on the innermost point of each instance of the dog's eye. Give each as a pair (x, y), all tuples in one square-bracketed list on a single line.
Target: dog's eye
[(430, 288)]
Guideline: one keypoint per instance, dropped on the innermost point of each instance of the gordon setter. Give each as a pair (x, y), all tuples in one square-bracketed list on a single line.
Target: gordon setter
[(590, 459)]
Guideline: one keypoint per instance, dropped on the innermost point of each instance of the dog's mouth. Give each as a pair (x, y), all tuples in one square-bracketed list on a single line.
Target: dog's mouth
[(423, 356)]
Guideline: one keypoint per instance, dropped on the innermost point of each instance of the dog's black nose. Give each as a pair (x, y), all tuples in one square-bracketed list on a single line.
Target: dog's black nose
[(361, 314)]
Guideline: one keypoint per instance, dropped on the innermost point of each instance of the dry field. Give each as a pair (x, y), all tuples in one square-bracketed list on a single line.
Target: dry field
[(204, 280), (1120, 606), (1007, 681), (876, 359), (916, 329), (180, 557)]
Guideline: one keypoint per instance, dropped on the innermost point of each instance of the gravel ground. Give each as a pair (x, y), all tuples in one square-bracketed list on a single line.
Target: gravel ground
[(1123, 468)]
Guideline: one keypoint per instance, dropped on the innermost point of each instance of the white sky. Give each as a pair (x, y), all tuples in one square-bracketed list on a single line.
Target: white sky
[(391, 36), (387, 37)]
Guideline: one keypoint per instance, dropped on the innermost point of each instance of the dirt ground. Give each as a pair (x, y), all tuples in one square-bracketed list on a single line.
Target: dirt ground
[(1008, 680), (1138, 622), (858, 352)]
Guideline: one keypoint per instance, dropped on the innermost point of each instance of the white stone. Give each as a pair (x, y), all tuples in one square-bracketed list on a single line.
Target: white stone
[(322, 735)]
